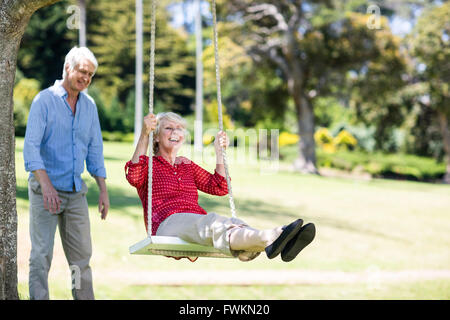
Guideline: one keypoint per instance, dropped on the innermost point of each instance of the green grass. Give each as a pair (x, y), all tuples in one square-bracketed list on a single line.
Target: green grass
[(383, 224)]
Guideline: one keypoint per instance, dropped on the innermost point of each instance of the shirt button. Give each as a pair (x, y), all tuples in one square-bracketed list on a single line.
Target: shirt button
[(174, 173), (179, 179)]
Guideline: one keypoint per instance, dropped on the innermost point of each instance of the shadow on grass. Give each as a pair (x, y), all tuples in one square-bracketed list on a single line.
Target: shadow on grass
[(349, 227), (22, 192), (131, 206), (117, 197), (248, 208), (110, 158), (265, 211)]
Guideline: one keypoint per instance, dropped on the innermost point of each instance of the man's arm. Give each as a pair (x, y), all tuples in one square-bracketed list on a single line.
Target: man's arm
[(36, 125)]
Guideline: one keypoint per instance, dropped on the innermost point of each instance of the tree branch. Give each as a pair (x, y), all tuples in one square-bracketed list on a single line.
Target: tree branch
[(296, 17), (260, 11), (14, 11), (270, 53)]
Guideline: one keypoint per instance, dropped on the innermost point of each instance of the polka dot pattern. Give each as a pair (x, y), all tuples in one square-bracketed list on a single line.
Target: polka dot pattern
[(174, 186)]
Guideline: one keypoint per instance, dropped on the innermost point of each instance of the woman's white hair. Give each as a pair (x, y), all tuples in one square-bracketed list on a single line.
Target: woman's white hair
[(74, 57), (167, 116)]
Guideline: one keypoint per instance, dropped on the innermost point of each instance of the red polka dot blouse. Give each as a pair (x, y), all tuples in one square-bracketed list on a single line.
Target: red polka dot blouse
[(174, 186)]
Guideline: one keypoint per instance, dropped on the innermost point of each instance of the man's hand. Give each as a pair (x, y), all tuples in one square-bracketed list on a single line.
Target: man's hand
[(103, 204), (103, 199), (51, 199)]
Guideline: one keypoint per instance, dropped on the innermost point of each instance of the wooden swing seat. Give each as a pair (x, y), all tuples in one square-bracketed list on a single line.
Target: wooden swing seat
[(174, 247)]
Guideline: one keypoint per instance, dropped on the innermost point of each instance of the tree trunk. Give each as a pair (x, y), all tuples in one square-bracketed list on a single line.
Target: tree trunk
[(445, 131), (8, 217), (14, 17), (306, 161)]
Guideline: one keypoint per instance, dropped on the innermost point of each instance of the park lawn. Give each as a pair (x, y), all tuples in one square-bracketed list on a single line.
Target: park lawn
[(362, 225)]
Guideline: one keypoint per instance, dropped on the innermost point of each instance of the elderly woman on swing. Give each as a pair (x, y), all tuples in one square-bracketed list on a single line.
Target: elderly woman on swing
[(175, 207)]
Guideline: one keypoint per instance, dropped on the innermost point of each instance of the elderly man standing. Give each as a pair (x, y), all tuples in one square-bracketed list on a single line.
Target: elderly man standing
[(63, 131)]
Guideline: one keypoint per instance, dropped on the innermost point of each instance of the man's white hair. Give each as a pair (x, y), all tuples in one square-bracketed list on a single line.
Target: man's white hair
[(74, 57)]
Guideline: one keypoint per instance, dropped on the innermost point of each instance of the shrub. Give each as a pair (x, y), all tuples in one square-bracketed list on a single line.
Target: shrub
[(323, 136), (118, 136), (384, 165), (208, 139), (365, 136), (345, 140), (329, 147), (325, 140), (24, 93), (212, 115), (286, 139)]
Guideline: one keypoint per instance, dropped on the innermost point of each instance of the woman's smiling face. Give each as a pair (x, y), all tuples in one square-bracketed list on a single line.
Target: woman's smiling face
[(171, 136)]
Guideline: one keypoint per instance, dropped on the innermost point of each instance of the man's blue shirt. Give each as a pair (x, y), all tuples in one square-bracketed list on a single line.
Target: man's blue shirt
[(59, 141)]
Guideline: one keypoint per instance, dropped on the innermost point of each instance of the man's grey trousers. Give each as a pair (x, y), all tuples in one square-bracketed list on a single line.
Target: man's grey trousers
[(74, 229)]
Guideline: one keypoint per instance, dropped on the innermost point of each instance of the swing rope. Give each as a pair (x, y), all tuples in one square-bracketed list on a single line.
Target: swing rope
[(219, 105), (150, 106), (151, 93)]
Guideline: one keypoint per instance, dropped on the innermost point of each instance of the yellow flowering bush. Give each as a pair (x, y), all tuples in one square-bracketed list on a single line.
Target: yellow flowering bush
[(325, 140), (287, 138), (207, 139), (323, 136), (329, 147), (24, 93), (345, 140), (212, 115)]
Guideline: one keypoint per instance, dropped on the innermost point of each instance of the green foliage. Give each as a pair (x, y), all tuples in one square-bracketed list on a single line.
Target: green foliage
[(118, 136), (45, 44), (254, 94), (381, 165), (426, 96), (431, 44), (113, 42), (112, 116), (328, 112), (24, 93), (374, 88), (363, 134), (358, 79), (111, 36), (211, 115)]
